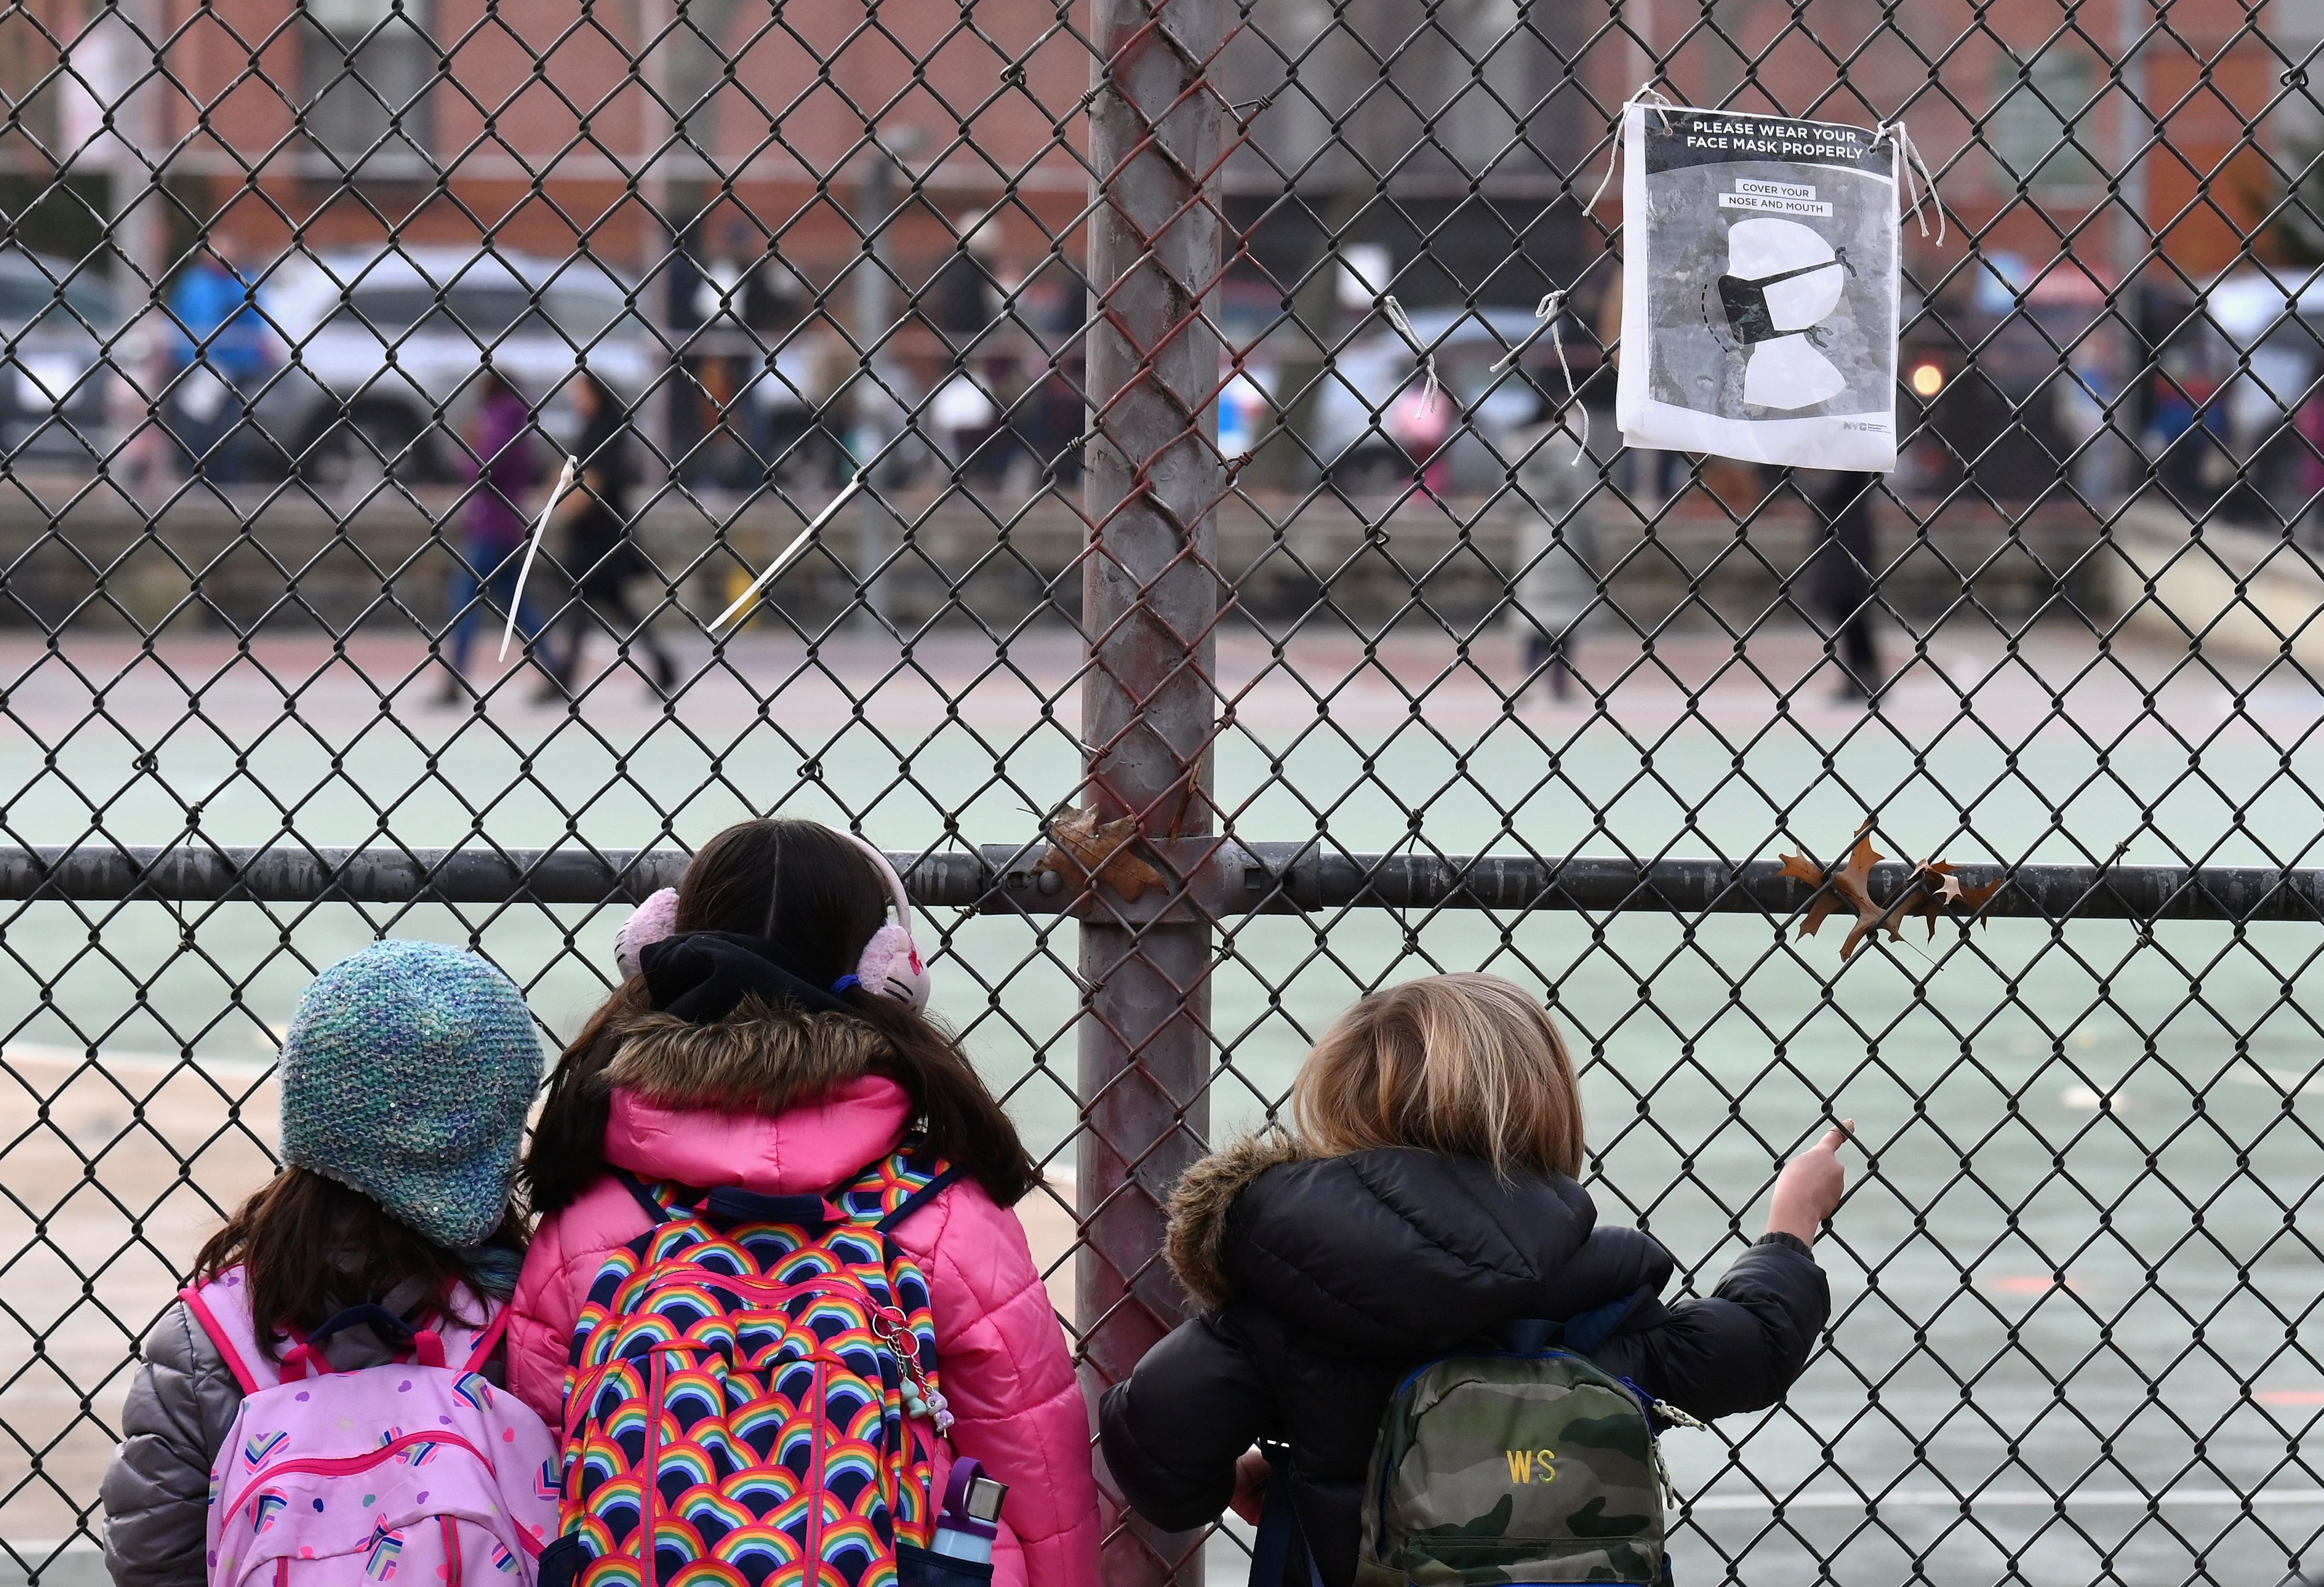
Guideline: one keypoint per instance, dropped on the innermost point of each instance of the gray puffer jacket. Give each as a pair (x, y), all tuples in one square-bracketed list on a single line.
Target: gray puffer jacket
[(156, 1491)]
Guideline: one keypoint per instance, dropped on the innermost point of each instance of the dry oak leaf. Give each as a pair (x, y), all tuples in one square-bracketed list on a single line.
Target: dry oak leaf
[(1932, 889), (1935, 888), (1849, 884), (1080, 849)]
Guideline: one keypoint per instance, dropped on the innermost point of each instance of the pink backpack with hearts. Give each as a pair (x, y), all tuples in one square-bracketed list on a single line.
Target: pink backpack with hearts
[(419, 1471)]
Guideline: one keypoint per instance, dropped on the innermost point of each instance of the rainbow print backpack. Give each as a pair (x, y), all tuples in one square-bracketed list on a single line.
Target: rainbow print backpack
[(419, 1473), (752, 1398)]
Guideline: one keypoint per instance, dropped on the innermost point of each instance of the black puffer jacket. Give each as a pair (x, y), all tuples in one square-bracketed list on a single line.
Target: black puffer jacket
[(1322, 1281)]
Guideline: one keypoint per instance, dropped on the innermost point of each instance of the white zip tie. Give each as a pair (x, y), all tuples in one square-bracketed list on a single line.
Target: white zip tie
[(1547, 313), (1647, 95), (789, 554), (532, 549), (1396, 317), (1923, 191)]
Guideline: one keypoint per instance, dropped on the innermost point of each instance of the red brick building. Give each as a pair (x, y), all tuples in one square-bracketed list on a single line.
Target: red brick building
[(1457, 140)]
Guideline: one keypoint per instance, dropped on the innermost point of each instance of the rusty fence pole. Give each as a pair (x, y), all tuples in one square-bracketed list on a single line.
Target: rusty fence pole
[(1150, 598)]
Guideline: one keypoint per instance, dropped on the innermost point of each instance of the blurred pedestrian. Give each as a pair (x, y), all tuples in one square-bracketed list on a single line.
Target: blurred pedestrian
[(1423, 420), (224, 351), (1557, 580), (599, 553), (505, 470), (964, 416), (1840, 582), (1062, 420)]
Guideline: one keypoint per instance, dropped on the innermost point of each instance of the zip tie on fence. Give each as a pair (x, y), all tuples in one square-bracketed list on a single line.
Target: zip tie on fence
[(1547, 313), (1648, 95), (1919, 191), (1396, 318), (532, 549), (789, 554)]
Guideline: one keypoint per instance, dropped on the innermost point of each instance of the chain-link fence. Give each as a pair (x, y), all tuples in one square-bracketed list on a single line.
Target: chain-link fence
[(1068, 329)]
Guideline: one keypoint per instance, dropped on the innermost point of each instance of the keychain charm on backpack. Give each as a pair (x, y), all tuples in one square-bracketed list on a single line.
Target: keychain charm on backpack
[(921, 1398)]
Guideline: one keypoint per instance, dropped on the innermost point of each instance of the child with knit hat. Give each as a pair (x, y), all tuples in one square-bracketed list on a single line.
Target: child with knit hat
[(406, 1079)]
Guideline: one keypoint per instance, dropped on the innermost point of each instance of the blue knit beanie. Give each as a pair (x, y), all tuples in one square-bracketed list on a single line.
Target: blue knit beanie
[(407, 1075)]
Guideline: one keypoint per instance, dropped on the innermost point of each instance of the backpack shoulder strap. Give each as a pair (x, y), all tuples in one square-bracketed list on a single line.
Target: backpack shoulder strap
[(1278, 1530), (943, 1180), (222, 1307), (1584, 1334), (886, 1192), (642, 1194), (466, 1346), (488, 1338)]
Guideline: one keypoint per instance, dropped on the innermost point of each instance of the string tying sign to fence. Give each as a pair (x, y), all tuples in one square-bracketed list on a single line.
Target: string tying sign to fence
[(1547, 314), (1403, 322)]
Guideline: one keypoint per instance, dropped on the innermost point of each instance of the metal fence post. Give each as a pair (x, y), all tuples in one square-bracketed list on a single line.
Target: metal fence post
[(1150, 600)]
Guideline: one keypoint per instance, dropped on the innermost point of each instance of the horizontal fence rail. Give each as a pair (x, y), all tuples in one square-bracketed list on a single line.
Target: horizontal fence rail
[(1262, 878)]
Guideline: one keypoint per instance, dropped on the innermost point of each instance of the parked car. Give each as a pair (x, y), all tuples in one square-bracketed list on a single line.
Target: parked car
[(386, 342), (2271, 325), (54, 327)]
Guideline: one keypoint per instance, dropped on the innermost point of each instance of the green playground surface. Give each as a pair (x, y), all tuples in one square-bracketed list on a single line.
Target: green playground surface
[(2092, 1146)]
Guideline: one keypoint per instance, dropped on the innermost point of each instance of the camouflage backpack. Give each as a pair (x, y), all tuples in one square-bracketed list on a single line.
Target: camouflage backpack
[(1525, 1464)]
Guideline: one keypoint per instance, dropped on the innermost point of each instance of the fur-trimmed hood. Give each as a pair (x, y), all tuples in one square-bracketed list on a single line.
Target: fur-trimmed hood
[(1203, 1197), (762, 1058), (1395, 1252), (770, 1099)]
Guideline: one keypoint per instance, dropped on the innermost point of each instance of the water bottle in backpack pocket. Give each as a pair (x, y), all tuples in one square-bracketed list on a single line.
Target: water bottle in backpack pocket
[(754, 1398), (418, 1469)]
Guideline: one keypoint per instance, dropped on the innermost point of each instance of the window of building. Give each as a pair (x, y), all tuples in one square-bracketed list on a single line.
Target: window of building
[(367, 67), (2039, 104)]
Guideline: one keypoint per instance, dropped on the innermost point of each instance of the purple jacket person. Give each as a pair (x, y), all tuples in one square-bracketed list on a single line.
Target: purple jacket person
[(503, 464)]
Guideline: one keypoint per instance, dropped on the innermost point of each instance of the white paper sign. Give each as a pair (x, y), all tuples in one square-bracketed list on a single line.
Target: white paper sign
[(1760, 279)]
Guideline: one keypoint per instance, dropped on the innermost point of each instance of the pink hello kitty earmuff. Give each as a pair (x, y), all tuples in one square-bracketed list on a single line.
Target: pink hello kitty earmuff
[(890, 964)]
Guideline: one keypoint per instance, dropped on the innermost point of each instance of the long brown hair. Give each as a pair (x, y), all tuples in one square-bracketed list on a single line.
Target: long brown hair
[(309, 1247), (1469, 1065), (819, 899)]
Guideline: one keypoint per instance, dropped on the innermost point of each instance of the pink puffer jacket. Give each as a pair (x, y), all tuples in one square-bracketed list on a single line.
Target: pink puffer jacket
[(1006, 1369)]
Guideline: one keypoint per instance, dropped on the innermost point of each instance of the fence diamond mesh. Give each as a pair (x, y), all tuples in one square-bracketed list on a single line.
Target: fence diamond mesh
[(1096, 344)]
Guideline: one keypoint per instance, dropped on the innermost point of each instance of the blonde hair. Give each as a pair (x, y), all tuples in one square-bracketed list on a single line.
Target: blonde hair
[(1469, 1065)]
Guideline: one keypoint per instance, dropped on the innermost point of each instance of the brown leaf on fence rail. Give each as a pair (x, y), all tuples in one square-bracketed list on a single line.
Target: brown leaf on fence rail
[(1933, 889), (1080, 848)]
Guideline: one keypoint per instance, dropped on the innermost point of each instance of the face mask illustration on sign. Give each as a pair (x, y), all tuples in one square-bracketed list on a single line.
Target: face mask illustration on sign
[(1782, 280), (1760, 278)]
